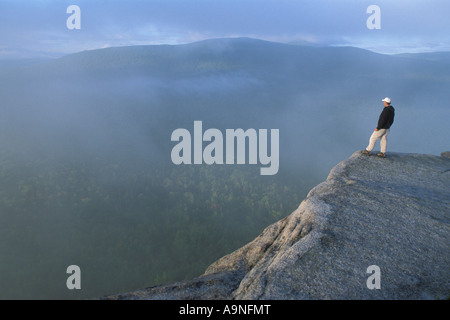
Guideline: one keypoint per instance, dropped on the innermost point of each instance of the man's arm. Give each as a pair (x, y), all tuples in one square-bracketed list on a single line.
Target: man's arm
[(382, 120)]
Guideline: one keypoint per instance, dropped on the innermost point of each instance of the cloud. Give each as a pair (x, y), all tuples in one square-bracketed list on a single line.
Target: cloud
[(40, 25)]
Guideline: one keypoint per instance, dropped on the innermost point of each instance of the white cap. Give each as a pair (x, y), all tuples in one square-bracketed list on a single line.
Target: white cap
[(387, 100)]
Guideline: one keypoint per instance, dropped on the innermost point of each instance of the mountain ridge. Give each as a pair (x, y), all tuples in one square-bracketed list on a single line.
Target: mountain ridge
[(143, 55)]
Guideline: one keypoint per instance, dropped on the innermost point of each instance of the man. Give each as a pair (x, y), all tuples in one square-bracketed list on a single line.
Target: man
[(382, 130)]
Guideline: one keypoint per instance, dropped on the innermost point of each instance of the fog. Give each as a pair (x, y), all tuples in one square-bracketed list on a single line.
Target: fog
[(86, 172)]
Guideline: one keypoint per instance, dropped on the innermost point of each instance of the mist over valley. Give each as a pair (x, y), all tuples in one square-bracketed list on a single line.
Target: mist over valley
[(86, 175)]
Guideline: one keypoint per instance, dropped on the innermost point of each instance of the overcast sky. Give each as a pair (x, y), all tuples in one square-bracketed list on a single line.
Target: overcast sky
[(37, 28)]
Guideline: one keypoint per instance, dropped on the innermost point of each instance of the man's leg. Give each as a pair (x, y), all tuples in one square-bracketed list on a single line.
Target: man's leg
[(383, 141), (373, 138)]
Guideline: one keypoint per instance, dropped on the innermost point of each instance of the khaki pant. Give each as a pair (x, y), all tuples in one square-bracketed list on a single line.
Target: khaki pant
[(380, 134)]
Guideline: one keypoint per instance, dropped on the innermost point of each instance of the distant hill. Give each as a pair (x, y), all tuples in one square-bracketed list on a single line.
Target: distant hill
[(441, 57)]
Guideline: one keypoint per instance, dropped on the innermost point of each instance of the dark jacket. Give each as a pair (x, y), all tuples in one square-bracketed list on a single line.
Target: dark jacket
[(386, 118)]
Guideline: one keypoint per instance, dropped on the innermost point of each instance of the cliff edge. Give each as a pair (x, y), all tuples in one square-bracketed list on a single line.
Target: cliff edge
[(392, 213)]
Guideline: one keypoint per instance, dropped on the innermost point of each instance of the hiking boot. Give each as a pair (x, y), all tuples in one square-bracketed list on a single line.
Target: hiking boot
[(365, 152), (381, 155)]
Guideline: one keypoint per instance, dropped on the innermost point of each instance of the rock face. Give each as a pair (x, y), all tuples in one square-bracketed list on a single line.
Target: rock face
[(392, 213)]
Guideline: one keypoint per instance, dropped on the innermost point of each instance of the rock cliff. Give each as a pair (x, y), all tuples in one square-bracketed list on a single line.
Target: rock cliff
[(392, 213)]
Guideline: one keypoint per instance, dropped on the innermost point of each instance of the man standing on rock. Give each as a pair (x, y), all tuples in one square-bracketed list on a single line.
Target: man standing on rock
[(382, 130)]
